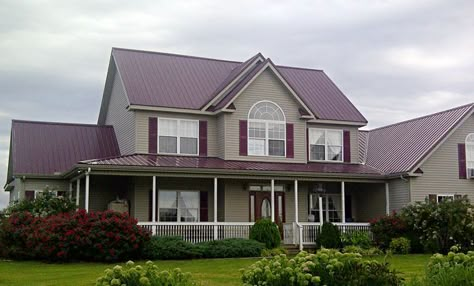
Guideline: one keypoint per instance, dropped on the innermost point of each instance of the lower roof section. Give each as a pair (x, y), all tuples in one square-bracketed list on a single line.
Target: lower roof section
[(209, 164)]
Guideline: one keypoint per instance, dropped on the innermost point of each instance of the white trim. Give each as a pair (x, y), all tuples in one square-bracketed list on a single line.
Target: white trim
[(178, 207), (296, 201), (266, 139), (86, 197), (272, 202), (178, 136), (232, 83), (387, 198), (325, 145), (444, 195), (277, 73), (445, 137), (343, 201), (469, 153)]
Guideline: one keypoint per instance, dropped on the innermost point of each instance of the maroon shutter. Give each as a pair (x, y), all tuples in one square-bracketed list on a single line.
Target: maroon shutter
[(152, 135), (290, 153), (243, 137), (29, 195), (203, 138), (347, 146), (203, 206), (432, 198), (462, 161), (308, 148)]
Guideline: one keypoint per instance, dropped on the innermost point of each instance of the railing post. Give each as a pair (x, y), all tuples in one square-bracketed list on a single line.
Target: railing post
[(300, 230)]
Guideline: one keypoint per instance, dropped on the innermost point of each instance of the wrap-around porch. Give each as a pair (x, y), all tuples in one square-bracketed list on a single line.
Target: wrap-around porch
[(209, 208)]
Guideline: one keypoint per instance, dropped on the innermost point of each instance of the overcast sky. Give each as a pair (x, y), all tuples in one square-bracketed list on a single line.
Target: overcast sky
[(394, 59)]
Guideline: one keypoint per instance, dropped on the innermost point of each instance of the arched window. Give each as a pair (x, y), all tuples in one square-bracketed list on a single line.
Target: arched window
[(266, 130), (470, 154)]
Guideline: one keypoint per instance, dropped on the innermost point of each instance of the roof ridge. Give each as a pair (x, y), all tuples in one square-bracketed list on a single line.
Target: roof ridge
[(421, 117), (175, 55), (299, 68), (60, 123)]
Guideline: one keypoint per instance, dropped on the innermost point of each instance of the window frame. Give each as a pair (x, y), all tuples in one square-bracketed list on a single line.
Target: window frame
[(326, 149), (438, 196), (469, 153), (267, 139), (178, 208), (178, 136), (328, 213)]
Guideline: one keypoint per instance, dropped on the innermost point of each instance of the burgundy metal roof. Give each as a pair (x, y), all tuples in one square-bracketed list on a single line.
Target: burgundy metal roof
[(148, 160), (363, 140), (47, 148), (169, 80), (399, 147)]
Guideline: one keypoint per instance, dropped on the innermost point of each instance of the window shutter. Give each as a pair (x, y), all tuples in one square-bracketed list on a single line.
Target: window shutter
[(29, 195), (347, 146), (290, 153), (308, 148), (203, 206), (203, 138), (243, 137), (152, 135), (462, 161), (432, 198)]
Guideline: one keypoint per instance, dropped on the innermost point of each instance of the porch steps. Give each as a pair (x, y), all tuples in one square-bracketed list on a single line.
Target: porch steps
[(291, 248)]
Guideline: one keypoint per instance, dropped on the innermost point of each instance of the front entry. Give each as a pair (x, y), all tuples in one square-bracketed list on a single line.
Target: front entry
[(260, 206)]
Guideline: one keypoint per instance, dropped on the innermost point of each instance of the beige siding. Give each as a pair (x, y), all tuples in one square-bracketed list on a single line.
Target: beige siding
[(142, 187), (265, 87), (399, 194), (440, 171), (122, 120), (41, 184), (354, 137), (369, 200), (236, 202), (142, 129), (221, 202)]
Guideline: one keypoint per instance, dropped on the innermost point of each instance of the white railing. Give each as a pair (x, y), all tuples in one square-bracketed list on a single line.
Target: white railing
[(310, 230), (201, 231)]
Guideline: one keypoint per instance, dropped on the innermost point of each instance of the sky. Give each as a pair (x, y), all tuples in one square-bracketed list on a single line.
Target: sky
[(394, 60)]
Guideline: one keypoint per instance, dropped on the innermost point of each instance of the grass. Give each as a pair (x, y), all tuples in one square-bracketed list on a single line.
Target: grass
[(209, 271)]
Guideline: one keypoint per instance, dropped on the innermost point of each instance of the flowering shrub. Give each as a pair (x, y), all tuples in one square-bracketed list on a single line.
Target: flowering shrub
[(357, 238), (148, 274), (44, 205), (326, 267), (266, 231), (400, 245), (451, 269), (372, 251), (442, 225), (96, 236), (386, 228)]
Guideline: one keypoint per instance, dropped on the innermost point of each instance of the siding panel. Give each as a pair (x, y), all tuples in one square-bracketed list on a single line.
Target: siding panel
[(122, 120), (399, 191), (441, 170)]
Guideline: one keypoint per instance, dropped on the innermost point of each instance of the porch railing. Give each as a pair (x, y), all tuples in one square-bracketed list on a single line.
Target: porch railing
[(310, 230), (201, 231)]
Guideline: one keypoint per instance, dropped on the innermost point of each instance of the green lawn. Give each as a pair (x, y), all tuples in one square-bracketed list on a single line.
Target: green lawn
[(209, 271)]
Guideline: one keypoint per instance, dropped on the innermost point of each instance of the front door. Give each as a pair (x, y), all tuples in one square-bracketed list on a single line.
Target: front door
[(260, 206)]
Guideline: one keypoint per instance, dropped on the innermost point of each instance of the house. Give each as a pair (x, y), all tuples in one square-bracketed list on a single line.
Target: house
[(202, 148)]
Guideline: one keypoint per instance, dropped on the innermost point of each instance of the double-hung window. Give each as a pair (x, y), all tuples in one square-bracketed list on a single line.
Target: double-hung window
[(266, 130), (178, 136), (470, 155), (325, 144), (178, 206)]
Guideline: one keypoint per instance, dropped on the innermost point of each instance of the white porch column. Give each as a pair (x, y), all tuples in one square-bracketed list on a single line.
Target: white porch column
[(86, 203), (78, 191), (296, 200), (215, 210), (343, 201), (70, 190), (153, 197), (387, 199), (321, 210), (273, 200)]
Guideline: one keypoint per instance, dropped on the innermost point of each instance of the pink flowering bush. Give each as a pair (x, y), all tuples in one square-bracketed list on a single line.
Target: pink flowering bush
[(93, 236)]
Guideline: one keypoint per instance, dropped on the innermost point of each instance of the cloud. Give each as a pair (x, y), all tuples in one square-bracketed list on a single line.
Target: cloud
[(393, 59)]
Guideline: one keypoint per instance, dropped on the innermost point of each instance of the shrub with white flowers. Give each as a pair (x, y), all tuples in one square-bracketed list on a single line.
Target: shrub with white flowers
[(147, 275)]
